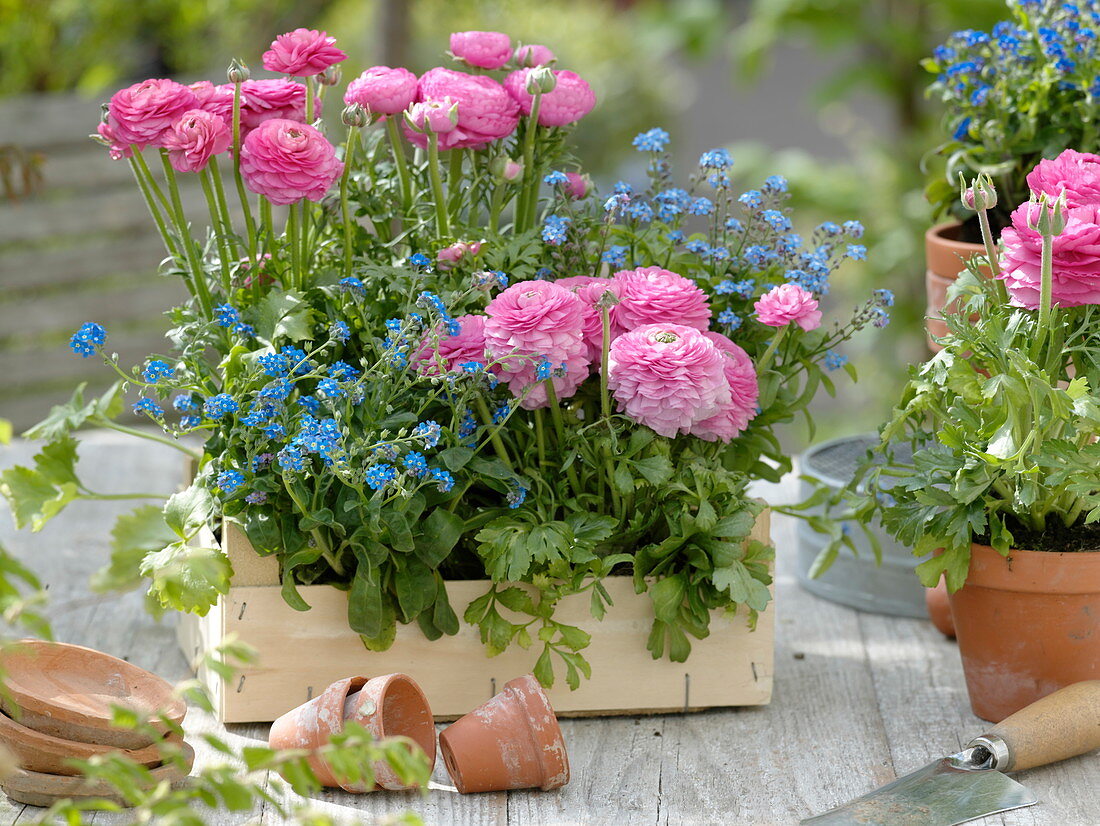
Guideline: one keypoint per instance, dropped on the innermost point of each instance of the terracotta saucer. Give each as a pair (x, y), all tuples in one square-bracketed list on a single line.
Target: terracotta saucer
[(38, 752), (67, 691), (38, 789)]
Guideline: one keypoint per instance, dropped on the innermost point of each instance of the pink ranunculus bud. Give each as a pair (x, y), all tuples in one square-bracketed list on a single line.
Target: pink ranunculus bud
[(115, 148), (1075, 173), (237, 72), (303, 53), (437, 116), (786, 303), (264, 100), (504, 168), (383, 90), (651, 295), (486, 112), (449, 256), (217, 100), (1075, 259), (194, 138), (467, 345), (668, 377), (533, 55), (570, 101), (735, 416), (141, 113), (260, 277), (540, 80), (355, 116), (486, 50), (532, 321), (286, 161), (578, 185)]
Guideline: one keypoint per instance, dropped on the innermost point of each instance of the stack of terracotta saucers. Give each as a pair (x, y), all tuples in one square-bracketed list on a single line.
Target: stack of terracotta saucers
[(56, 705)]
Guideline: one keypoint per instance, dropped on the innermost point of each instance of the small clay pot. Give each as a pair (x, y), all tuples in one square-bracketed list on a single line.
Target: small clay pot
[(311, 724), (67, 691), (38, 752), (511, 742), (391, 706), (939, 609), (945, 257), (39, 789), (1027, 625)]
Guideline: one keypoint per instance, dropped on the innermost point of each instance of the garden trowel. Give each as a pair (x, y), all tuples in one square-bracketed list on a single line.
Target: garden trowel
[(970, 784)]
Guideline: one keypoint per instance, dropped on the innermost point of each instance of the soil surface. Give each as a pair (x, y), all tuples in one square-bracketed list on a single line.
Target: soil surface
[(1057, 537)]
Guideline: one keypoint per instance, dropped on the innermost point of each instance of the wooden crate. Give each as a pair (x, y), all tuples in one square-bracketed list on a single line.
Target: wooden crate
[(301, 653)]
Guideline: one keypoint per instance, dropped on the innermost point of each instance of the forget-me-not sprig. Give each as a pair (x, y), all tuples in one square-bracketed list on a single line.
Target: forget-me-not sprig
[(421, 260), (379, 476), (653, 140), (556, 178), (89, 338), (339, 331), (226, 315), (857, 252), (342, 371), (615, 255), (256, 497), (730, 320), (752, 199), (149, 408), (834, 360), (353, 285), (184, 403), (229, 481), (415, 463), (297, 361), (555, 229), (716, 159), (444, 481), (221, 405), (430, 431), (156, 370), (516, 496), (274, 364)]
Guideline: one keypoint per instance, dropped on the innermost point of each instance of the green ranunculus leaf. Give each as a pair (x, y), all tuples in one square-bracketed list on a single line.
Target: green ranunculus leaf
[(741, 586), (667, 595)]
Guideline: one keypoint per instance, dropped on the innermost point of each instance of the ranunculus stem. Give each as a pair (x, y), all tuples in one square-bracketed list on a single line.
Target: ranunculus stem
[(605, 406), (559, 430), (397, 144), (766, 359), (154, 210), (309, 99), (442, 220), (202, 289), (454, 179), (991, 254), (1046, 289), (494, 432), (345, 212), (223, 204), (528, 200), (292, 233), (250, 225), (221, 232)]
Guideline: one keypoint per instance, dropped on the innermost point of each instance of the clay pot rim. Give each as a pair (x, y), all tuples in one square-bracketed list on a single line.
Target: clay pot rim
[(936, 235), (175, 708), (549, 742), (1027, 571), (38, 741)]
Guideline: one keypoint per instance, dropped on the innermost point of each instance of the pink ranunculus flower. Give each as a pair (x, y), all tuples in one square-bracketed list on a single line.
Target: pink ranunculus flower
[(533, 320), (382, 90), (449, 256), (578, 185), (194, 138), (589, 290), (1075, 173), (141, 113), (438, 116), (735, 416), (486, 112), (668, 377), (263, 100), (570, 101), (786, 303), (115, 147), (534, 55), (286, 161), (651, 295), (486, 50), (217, 100), (1076, 258), (451, 351), (302, 52)]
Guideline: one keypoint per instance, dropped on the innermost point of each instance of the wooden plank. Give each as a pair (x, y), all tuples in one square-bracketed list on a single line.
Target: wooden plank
[(29, 365), (44, 121), (82, 261)]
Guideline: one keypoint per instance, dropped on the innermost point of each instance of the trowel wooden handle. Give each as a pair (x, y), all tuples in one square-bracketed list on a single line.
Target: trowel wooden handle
[(1059, 726)]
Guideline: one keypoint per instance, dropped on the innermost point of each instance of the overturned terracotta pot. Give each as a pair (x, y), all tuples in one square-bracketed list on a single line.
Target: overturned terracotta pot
[(389, 706), (392, 706), (511, 742), (945, 257), (939, 609)]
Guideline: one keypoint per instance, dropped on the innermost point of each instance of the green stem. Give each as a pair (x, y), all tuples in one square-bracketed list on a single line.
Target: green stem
[(605, 352), (496, 207), (188, 241), (223, 204), (397, 144), (158, 219), (442, 220), (154, 187), (454, 178), (221, 231), (110, 497), (525, 209), (308, 83), (318, 537), (152, 437), (250, 225), (494, 435), (345, 212), (1045, 291), (292, 239), (540, 436), (559, 429), (766, 359), (991, 254)]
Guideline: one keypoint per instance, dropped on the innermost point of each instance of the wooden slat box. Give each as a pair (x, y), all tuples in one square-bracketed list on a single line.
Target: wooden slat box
[(301, 653)]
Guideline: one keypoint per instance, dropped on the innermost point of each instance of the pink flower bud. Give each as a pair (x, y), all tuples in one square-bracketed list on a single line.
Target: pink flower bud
[(438, 116), (578, 185), (534, 55)]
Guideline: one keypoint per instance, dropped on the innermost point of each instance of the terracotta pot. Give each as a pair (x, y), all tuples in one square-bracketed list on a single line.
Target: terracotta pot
[(511, 742), (1027, 625), (939, 609), (310, 725), (390, 706), (67, 691), (945, 258), (38, 752)]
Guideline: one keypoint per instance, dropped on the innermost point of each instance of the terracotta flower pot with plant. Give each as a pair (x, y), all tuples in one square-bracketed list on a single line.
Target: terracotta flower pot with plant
[(1003, 486)]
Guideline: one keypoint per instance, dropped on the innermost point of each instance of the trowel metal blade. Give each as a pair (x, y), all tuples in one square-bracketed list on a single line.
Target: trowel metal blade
[(940, 794)]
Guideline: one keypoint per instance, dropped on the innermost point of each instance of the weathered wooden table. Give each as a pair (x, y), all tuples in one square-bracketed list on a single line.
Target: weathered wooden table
[(859, 699)]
